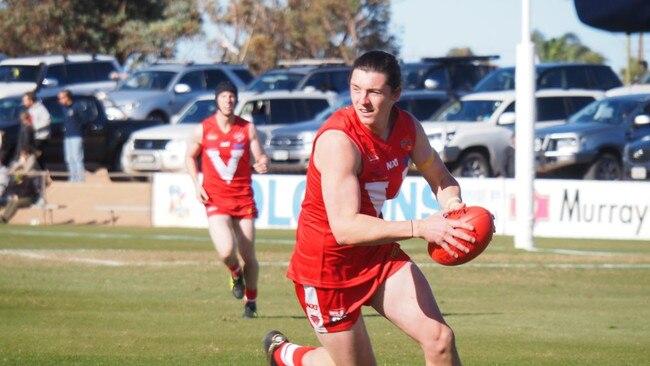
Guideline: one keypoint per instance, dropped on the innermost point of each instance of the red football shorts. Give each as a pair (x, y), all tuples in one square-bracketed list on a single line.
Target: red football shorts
[(331, 310), (247, 211)]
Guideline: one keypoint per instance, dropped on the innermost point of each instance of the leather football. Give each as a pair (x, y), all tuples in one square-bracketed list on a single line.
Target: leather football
[(483, 222)]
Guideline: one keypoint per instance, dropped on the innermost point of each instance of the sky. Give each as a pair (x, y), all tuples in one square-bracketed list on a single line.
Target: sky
[(430, 28), (493, 27)]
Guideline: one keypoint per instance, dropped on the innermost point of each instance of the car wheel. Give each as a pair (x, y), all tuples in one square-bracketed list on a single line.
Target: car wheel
[(606, 167), (472, 165)]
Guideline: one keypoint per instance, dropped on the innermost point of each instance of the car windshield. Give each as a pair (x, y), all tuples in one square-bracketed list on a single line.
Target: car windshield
[(17, 73), (468, 110), (327, 112), (275, 81), (198, 111), (148, 80), (9, 110), (610, 111), (501, 79)]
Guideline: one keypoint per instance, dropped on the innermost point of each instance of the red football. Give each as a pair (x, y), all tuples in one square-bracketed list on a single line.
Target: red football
[(483, 222)]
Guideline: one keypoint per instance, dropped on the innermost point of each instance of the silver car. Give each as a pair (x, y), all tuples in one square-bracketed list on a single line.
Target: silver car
[(163, 148), (160, 91)]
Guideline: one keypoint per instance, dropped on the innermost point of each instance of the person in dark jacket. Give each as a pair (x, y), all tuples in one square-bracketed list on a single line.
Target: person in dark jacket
[(73, 141)]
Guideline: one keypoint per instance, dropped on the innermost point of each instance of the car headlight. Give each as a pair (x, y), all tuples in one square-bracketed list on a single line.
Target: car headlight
[(176, 146), (129, 106), (307, 138), (438, 140), (567, 145)]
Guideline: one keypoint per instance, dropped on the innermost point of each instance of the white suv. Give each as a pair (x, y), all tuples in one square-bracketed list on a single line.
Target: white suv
[(474, 135), (163, 148), (78, 72)]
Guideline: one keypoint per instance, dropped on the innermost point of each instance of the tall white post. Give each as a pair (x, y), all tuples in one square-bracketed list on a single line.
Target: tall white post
[(525, 111)]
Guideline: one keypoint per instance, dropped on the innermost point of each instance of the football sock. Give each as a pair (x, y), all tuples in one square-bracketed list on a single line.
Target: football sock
[(235, 271), (291, 354), (251, 295)]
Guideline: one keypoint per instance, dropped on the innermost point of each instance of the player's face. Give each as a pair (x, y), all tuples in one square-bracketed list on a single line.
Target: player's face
[(226, 102), (371, 97)]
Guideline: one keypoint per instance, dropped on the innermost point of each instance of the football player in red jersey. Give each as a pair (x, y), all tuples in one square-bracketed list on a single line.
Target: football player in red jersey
[(226, 142), (346, 255)]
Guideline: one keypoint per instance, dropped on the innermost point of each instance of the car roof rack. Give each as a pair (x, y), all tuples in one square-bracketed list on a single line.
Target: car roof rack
[(311, 62), (459, 59)]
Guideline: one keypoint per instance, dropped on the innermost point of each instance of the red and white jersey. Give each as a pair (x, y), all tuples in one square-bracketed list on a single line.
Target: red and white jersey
[(226, 165), (317, 259)]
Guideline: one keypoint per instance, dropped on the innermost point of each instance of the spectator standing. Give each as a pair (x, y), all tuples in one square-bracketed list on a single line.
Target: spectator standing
[(41, 120), (73, 139), (346, 255), (226, 143)]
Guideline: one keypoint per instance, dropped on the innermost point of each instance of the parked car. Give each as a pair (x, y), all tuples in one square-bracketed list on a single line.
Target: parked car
[(163, 148), (555, 76), (308, 75), (452, 74), (162, 90), (289, 147), (77, 72), (474, 134), (102, 139), (636, 159), (590, 145)]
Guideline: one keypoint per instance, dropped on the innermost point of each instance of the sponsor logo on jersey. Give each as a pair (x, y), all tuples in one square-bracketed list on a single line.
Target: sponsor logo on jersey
[(224, 144), (239, 136), (239, 145), (406, 144), (211, 137), (392, 164)]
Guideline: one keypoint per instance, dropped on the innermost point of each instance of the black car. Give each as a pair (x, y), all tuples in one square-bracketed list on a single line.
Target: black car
[(102, 139), (560, 75)]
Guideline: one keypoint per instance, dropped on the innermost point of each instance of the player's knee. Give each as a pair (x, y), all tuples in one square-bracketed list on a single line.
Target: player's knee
[(441, 344)]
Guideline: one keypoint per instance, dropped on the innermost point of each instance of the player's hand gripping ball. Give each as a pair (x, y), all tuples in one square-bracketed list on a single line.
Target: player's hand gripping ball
[(483, 222)]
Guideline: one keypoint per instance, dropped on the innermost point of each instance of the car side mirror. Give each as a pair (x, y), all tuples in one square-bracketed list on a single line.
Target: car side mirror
[(642, 120), (507, 118), (50, 82), (431, 84), (182, 89)]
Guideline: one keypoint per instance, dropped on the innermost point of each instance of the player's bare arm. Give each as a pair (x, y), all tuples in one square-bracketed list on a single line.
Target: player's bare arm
[(193, 150), (339, 162), (437, 228), (261, 164)]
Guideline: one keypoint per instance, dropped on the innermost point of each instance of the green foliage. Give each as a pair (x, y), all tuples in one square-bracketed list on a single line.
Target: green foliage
[(566, 48), (263, 32), (82, 295), (116, 27)]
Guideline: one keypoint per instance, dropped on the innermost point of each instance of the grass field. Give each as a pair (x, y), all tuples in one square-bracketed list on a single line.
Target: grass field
[(80, 295)]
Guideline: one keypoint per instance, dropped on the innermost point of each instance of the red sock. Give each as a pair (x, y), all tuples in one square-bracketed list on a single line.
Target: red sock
[(251, 295), (235, 270), (291, 354)]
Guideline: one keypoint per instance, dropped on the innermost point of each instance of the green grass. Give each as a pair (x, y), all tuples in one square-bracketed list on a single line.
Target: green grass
[(81, 295)]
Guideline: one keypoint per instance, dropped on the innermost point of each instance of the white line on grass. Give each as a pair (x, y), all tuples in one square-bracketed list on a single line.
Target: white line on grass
[(53, 255), (111, 236)]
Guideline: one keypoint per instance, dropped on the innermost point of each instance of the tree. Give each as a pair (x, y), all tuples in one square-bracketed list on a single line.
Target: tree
[(566, 48), (260, 33), (117, 27)]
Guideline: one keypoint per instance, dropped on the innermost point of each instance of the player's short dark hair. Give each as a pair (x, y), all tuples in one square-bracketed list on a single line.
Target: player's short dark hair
[(31, 95), (226, 86), (382, 62)]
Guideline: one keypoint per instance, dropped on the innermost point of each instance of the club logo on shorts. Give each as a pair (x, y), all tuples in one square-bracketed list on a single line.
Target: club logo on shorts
[(337, 315)]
